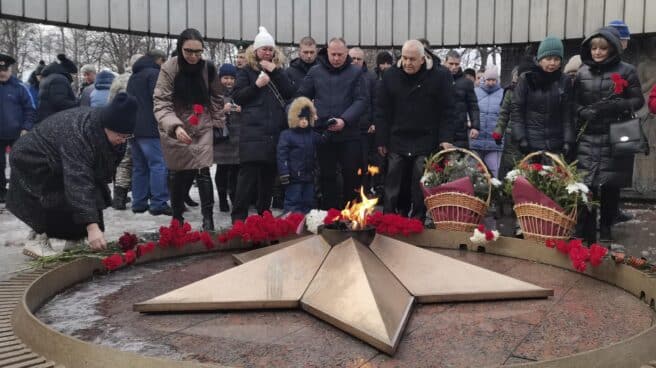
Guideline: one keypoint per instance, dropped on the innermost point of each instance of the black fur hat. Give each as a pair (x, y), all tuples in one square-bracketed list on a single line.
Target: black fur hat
[(68, 65)]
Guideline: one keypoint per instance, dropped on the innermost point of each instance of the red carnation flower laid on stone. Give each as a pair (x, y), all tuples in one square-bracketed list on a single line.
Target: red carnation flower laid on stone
[(332, 216), (597, 254), (127, 241), (489, 235), (193, 120), (206, 239), (112, 262), (619, 83), (496, 136), (198, 109), (144, 249), (130, 257)]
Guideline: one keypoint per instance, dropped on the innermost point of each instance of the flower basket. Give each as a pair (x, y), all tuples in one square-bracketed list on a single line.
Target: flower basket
[(540, 222), (456, 210)]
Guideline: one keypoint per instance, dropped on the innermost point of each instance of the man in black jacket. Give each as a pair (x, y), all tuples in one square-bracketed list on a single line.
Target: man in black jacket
[(466, 115), (307, 58), (339, 91), (413, 112), (55, 91), (61, 170), (149, 171)]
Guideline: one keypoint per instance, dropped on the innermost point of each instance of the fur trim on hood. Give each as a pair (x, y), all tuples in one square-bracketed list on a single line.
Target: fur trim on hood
[(295, 108), (278, 58)]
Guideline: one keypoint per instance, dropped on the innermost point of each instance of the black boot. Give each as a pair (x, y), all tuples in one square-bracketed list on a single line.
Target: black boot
[(177, 188), (223, 202), (120, 195), (206, 192)]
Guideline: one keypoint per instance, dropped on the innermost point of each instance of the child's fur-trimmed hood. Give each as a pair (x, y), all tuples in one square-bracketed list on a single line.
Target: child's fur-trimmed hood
[(297, 105)]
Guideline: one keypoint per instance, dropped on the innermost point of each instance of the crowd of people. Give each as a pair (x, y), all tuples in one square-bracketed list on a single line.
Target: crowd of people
[(299, 136)]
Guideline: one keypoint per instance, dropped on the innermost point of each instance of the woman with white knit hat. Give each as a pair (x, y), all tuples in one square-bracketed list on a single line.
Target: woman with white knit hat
[(262, 90)]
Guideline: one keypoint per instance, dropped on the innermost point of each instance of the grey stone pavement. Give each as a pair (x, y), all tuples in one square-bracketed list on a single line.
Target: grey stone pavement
[(637, 235)]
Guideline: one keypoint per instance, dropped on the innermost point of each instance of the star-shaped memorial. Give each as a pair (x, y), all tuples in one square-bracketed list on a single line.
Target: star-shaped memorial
[(365, 290)]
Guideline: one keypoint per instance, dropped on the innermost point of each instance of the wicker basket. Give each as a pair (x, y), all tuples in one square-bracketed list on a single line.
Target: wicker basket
[(455, 211), (539, 223)]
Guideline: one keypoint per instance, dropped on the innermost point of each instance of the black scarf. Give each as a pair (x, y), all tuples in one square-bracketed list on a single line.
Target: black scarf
[(542, 79), (189, 86)]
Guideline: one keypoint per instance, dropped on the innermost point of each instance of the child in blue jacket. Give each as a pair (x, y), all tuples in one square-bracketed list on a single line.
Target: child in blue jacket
[(296, 156)]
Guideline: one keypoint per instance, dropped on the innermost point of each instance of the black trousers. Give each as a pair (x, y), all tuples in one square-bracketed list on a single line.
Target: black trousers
[(253, 177), (400, 170), (349, 157), (609, 200), (225, 179), (4, 143), (59, 224)]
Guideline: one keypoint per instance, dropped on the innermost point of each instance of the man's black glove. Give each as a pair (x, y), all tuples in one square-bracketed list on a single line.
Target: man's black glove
[(523, 146), (284, 179), (588, 114)]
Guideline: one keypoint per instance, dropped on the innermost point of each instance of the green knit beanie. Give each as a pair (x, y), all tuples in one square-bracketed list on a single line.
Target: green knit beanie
[(551, 46)]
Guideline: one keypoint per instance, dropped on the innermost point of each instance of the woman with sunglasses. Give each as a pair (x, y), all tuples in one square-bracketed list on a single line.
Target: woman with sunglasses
[(187, 105)]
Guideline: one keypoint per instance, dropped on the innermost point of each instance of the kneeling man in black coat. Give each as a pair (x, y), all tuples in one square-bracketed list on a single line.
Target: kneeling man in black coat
[(61, 170)]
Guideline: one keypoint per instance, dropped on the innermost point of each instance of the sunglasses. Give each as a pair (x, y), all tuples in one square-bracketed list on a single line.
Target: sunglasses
[(193, 51)]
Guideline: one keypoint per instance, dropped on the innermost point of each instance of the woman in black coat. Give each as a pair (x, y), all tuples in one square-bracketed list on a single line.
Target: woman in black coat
[(596, 106), (262, 89), (55, 91)]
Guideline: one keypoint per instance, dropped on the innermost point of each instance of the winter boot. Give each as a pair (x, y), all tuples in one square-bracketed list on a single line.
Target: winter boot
[(206, 192), (177, 188), (223, 202), (38, 247), (120, 196)]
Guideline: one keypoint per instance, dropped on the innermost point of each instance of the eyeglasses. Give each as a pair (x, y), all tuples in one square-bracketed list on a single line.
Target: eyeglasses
[(197, 52)]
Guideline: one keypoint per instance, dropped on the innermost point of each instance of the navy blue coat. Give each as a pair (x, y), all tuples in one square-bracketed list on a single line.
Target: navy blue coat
[(16, 109), (262, 115), (297, 71), (337, 93), (297, 154), (141, 85), (55, 92)]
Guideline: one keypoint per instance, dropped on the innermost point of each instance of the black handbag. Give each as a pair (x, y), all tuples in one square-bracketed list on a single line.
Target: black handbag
[(627, 138)]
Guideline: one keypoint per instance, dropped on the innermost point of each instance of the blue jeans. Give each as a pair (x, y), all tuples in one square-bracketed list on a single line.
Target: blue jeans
[(149, 174), (299, 197)]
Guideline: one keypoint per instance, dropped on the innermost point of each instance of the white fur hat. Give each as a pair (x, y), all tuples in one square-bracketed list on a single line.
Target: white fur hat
[(263, 38)]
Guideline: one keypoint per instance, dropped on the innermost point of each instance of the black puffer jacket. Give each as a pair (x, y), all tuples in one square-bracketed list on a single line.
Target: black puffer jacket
[(64, 164), (55, 92), (540, 110), (297, 71), (593, 89), (337, 93), (262, 115), (413, 111), (466, 104), (142, 86)]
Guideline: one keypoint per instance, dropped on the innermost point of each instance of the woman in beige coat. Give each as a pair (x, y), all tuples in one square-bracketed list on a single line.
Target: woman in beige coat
[(188, 105)]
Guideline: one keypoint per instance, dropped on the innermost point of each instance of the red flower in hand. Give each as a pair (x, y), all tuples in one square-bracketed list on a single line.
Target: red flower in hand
[(130, 257), (193, 120), (619, 83), (496, 136), (112, 262), (198, 109)]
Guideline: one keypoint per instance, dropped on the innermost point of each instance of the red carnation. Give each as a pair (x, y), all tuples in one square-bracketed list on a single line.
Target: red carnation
[(489, 235), (619, 83), (127, 241), (112, 262), (481, 228), (198, 109), (597, 253), (579, 255), (562, 246), (496, 136), (145, 248), (536, 167), (130, 256), (332, 216), (193, 120), (551, 243), (206, 238)]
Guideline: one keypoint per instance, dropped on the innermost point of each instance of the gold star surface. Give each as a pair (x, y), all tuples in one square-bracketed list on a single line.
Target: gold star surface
[(366, 291)]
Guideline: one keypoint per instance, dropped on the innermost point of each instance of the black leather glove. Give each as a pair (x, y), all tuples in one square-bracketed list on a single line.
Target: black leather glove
[(284, 179), (523, 146), (567, 150), (588, 114)]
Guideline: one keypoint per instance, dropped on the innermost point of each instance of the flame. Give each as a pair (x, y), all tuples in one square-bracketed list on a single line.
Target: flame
[(373, 170), (357, 212), (359, 172)]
